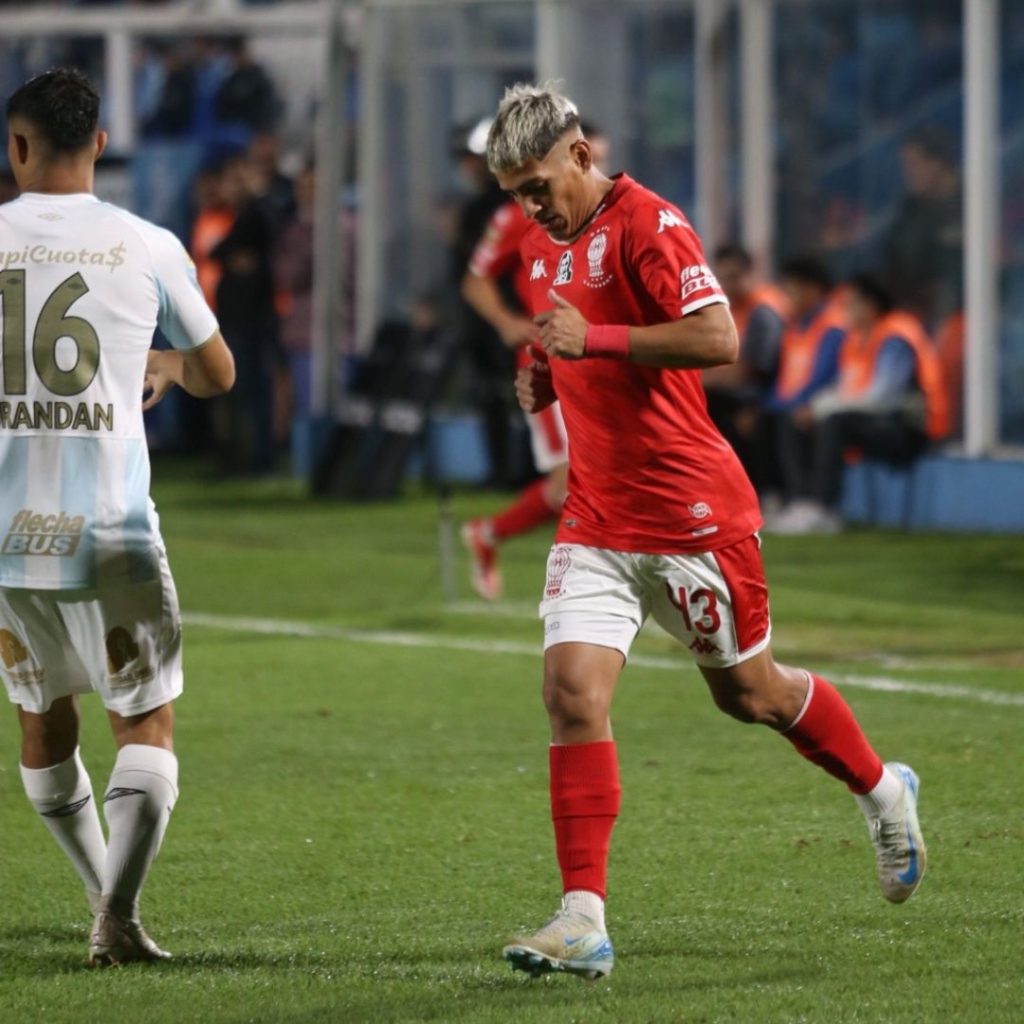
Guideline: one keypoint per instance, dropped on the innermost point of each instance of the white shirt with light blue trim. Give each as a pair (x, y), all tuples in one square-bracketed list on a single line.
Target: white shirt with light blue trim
[(83, 287)]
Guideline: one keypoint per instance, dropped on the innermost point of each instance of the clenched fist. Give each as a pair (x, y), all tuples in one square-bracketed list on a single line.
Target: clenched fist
[(534, 389), (563, 331)]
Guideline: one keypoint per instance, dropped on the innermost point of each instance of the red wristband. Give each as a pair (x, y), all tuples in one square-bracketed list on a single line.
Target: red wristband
[(607, 341)]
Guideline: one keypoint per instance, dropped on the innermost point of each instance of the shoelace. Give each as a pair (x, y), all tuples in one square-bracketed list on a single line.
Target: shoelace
[(890, 841)]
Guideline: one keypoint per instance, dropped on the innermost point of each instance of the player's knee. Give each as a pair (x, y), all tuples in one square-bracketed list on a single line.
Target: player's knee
[(747, 706), (573, 704)]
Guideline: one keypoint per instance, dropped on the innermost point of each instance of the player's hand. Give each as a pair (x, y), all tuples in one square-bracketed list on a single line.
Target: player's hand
[(163, 371), (534, 388), (563, 331), (518, 331)]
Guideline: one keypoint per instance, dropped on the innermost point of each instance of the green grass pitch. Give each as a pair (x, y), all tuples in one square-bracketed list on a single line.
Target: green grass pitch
[(363, 814)]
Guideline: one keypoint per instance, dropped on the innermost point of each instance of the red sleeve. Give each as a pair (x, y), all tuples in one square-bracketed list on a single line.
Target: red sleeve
[(670, 262), (497, 252)]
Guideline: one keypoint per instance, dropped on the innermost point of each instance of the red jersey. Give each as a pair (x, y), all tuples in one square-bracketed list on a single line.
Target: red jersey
[(497, 255), (648, 470)]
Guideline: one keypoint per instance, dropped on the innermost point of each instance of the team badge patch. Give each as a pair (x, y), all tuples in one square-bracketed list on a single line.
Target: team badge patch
[(564, 272), (596, 252), (558, 566)]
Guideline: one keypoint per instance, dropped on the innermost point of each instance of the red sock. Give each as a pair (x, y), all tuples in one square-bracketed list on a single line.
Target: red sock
[(826, 732), (529, 510), (585, 798)]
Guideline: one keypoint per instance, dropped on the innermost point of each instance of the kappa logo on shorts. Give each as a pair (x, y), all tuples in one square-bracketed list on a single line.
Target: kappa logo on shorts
[(558, 566), (122, 650), (705, 647), (564, 273)]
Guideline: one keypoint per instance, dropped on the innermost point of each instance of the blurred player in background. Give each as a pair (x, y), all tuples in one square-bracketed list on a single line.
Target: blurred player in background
[(736, 392), (660, 518), (86, 598), (496, 259)]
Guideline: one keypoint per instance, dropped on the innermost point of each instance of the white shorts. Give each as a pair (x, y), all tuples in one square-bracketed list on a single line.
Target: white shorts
[(123, 642), (715, 603), (548, 438)]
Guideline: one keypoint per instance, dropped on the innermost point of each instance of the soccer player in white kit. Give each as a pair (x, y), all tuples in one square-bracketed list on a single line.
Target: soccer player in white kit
[(87, 602)]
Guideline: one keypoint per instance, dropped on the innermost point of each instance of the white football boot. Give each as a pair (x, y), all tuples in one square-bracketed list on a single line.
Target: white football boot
[(900, 853), (570, 942), (117, 940)]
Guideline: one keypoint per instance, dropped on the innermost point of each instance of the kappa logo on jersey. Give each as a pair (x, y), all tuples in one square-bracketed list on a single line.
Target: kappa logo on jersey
[(596, 251), (539, 270), (37, 533), (695, 279), (669, 219), (564, 272), (700, 511), (12, 650), (558, 566)]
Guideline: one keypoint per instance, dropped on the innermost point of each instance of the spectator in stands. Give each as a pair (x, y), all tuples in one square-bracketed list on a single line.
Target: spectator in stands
[(170, 91), (888, 401), (808, 364), (279, 198), (737, 393), (491, 362), (246, 96), (213, 220), (247, 313), (922, 259)]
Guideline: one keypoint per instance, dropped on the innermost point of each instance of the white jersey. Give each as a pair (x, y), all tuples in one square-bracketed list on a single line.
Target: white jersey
[(83, 286)]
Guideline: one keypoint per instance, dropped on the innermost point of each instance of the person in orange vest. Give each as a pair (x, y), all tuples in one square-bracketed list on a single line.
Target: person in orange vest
[(808, 363), (888, 402), (736, 393)]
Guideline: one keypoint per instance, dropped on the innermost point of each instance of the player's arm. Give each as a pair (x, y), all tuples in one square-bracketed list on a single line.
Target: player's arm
[(484, 295), (203, 372), (199, 360), (705, 337)]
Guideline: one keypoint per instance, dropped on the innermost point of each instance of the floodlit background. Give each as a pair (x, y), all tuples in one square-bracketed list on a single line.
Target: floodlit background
[(780, 124)]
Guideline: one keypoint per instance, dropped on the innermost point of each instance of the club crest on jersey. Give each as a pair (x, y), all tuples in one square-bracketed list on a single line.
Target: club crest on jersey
[(596, 251), (539, 270), (669, 219), (564, 273)]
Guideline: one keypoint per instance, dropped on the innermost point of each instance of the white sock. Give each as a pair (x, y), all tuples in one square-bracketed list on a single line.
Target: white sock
[(63, 797), (589, 904), (883, 797), (141, 795)]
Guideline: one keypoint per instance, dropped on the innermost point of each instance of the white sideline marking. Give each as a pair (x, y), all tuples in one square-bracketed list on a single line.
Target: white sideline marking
[(388, 638)]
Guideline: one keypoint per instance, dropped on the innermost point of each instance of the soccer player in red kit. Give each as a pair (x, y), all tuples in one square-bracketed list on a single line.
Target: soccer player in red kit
[(496, 257), (660, 518)]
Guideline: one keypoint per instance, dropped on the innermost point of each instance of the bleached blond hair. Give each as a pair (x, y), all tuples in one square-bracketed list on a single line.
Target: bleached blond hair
[(530, 120)]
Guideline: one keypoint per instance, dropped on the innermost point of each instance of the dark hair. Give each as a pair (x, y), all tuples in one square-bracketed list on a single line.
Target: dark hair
[(61, 105), (872, 289), (734, 251), (808, 270)]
